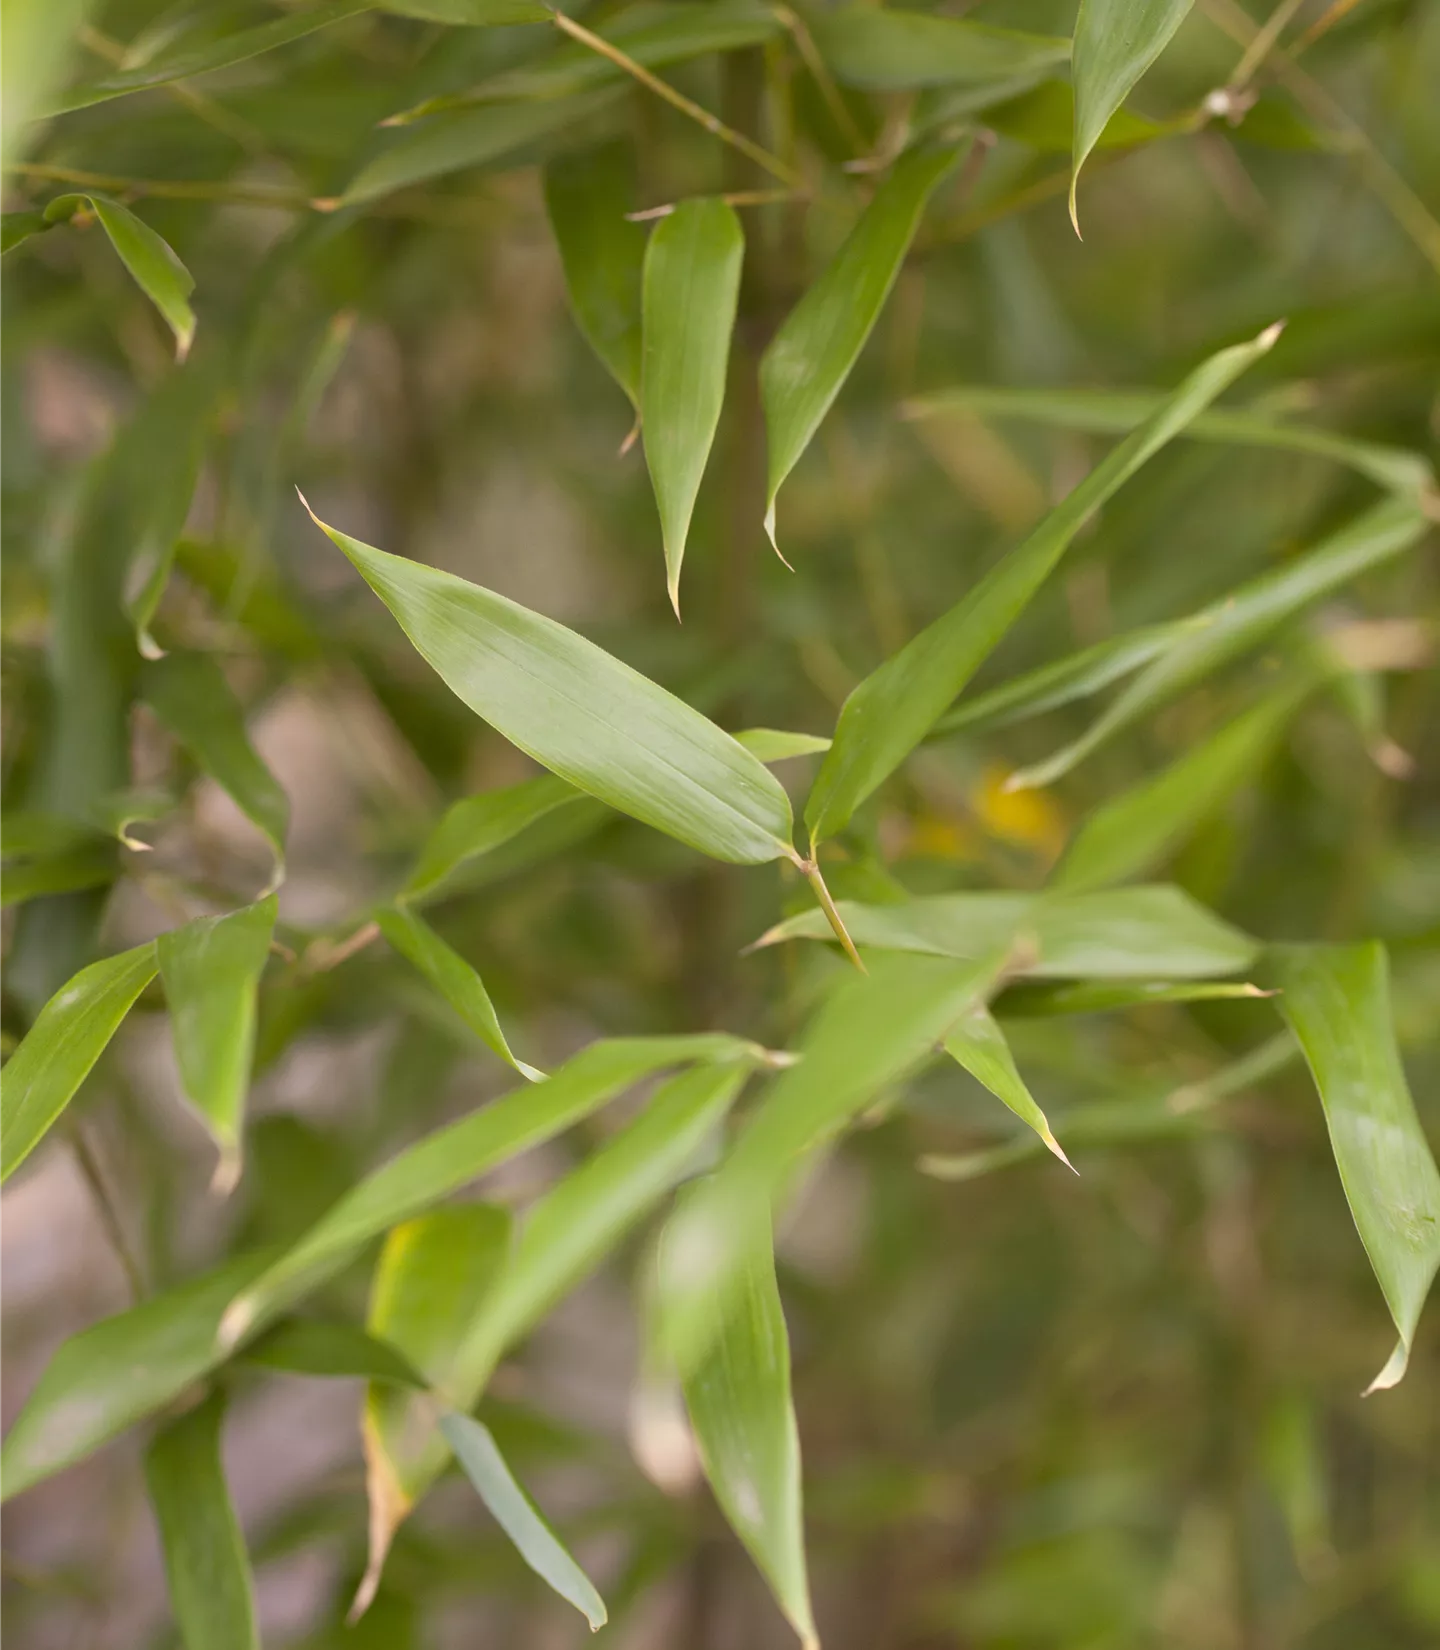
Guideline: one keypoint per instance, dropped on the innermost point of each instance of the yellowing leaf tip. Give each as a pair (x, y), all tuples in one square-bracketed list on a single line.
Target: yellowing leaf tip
[(770, 533), (1393, 1372), (238, 1317), (1074, 209), (1054, 1145)]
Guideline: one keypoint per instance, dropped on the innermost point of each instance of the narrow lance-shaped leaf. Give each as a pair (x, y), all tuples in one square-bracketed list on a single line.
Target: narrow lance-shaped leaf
[(433, 1275), (453, 977), (1242, 620), (979, 1045), (810, 357), (173, 487), (1115, 42), (587, 195), (582, 713), (211, 970), (691, 286), (68, 1037), (190, 695), (158, 273), (331, 1350), (1036, 1000), (1336, 999), (895, 49), (743, 1417), (894, 708), (517, 1515), (206, 1564), (450, 1158)]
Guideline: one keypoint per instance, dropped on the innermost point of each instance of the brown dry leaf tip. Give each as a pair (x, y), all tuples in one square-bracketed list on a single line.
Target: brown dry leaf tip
[(324, 203), (1252, 990), (389, 1507), (227, 1173), (1393, 760), (1054, 1145), (235, 1323), (630, 439)]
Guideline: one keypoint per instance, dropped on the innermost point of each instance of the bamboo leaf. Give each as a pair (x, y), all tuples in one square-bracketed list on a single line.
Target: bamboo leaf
[(1336, 999), (190, 695), (333, 1351), (1034, 1000), (820, 340), (469, 13), (895, 707), (777, 745), (68, 1037), (881, 49), (587, 195), (444, 1161), (1043, 118), (518, 1516), (453, 978), (211, 971), (206, 1564), (88, 865), (1123, 933), (17, 228), (152, 263), (743, 1417), (691, 286), (1115, 42), (1240, 621), (979, 1045), (38, 43), (583, 714)]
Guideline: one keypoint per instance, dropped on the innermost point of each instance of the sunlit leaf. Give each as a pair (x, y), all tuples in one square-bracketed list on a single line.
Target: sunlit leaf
[(518, 1516), (691, 286), (190, 695), (978, 1044), (1336, 999), (158, 273), (582, 713), (888, 49), (69, 1036), (453, 977), (894, 708), (211, 971), (206, 1565), (743, 1417), (810, 358), (1115, 42)]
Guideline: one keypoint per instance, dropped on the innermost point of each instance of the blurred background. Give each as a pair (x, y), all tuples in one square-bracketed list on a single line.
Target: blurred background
[(1036, 1410)]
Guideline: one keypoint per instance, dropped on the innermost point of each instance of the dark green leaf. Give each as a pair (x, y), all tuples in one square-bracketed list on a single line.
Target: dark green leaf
[(890, 50), (17, 227), (90, 865), (333, 1351)]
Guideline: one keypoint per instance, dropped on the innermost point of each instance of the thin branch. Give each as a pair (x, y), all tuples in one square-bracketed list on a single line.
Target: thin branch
[(1263, 44), (107, 1213), (829, 91), (245, 194)]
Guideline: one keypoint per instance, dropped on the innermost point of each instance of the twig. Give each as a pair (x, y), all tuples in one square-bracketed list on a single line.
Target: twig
[(1262, 45), (231, 125), (736, 197), (321, 958), (245, 194), (829, 91), (108, 1215)]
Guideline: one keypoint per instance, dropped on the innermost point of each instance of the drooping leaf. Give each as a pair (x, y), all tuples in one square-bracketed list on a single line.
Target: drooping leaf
[(1242, 620), (332, 1350), (441, 1163), (158, 273), (1336, 999), (1134, 832), (68, 1037), (1122, 933), (118, 1371), (690, 289), (895, 49), (895, 707), (867, 1035), (190, 695), (809, 359), (86, 865), (1115, 42), (211, 971), (453, 977), (517, 1515), (17, 227), (587, 195), (582, 713), (978, 1044), (743, 1417), (206, 1564)]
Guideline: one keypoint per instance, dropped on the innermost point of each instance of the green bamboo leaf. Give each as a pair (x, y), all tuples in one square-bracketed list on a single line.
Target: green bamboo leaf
[(1241, 621), (1115, 42), (867, 1036), (895, 707), (1137, 830), (1122, 933), (118, 1371), (190, 695), (470, 13), (743, 1417), (518, 1516), (978, 1044), (1336, 999), (690, 288), (1116, 412), (88, 865), (778, 745), (477, 825), (1034, 999), (206, 1565), (454, 978), (809, 359), (171, 488), (450, 1158), (587, 195), (18, 227), (582, 713), (156, 270), (332, 1351), (1043, 118), (882, 50), (39, 40), (68, 1037), (211, 971), (189, 59)]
